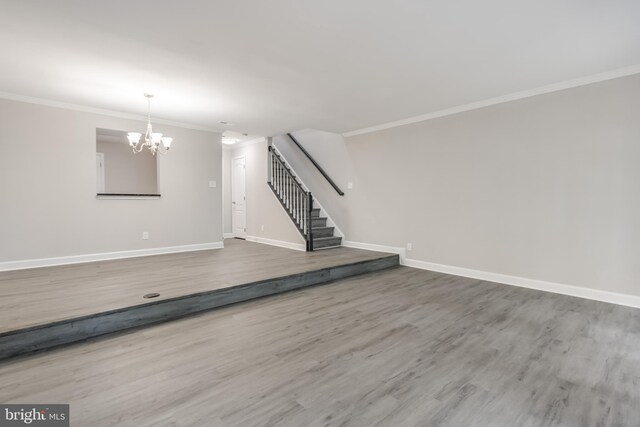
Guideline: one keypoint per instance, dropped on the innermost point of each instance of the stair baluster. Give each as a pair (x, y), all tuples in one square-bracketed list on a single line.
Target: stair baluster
[(298, 203)]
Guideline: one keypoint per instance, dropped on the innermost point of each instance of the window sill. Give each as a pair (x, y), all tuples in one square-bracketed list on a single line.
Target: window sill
[(127, 196)]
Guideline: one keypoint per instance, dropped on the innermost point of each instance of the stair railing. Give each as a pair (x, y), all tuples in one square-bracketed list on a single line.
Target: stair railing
[(322, 172), (292, 196)]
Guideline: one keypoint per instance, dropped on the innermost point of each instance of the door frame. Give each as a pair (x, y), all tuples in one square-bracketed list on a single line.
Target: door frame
[(233, 184)]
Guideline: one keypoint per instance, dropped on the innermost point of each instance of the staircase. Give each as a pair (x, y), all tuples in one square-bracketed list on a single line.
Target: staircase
[(300, 205)]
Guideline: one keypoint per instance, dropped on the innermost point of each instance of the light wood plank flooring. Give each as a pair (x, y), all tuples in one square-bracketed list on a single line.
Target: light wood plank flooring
[(404, 347), (44, 295)]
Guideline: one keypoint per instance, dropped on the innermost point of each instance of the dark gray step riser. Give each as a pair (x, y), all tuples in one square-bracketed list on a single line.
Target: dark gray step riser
[(322, 232), (59, 333), (318, 222), (327, 242)]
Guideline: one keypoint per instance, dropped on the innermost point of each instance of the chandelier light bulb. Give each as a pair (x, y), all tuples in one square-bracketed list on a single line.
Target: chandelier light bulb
[(134, 138), (156, 137)]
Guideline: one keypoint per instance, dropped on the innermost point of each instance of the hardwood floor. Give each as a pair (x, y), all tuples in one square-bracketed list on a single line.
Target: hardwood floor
[(43, 295), (403, 347)]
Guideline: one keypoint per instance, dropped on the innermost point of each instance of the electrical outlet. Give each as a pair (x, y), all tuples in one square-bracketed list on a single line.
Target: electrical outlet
[(145, 235), (409, 246), (349, 185), (213, 184)]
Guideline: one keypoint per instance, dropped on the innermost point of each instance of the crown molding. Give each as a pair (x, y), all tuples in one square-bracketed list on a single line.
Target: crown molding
[(104, 112), (568, 84)]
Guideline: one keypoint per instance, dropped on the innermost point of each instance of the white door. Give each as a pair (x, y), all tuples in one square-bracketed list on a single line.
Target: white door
[(238, 198), (100, 173)]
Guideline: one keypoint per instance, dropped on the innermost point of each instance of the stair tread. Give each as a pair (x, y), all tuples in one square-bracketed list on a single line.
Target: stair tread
[(324, 239)]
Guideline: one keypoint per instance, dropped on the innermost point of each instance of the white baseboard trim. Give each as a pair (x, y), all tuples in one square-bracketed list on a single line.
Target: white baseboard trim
[(228, 236), (541, 285), (105, 256), (377, 248), (280, 243)]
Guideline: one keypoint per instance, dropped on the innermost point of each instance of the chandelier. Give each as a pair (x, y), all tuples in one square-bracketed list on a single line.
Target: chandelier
[(154, 141)]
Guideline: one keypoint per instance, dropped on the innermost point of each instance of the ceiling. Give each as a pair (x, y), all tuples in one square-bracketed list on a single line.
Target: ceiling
[(274, 66)]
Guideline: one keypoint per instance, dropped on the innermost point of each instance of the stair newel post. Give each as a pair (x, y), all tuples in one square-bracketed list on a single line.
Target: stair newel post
[(275, 174), (304, 216), (273, 170), (309, 223), (269, 164)]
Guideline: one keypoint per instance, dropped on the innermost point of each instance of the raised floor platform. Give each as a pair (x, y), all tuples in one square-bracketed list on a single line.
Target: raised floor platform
[(46, 307)]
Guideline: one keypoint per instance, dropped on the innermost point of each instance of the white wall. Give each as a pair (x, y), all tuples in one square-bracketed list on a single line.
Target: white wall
[(263, 208), (48, 204), (126, 173), (544, 188)]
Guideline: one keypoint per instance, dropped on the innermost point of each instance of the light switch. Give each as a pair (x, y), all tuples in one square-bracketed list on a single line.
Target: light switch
[(212, 184), (349, 185)]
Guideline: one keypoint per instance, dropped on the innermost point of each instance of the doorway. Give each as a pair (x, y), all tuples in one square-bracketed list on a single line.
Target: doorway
[(238, 198)]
